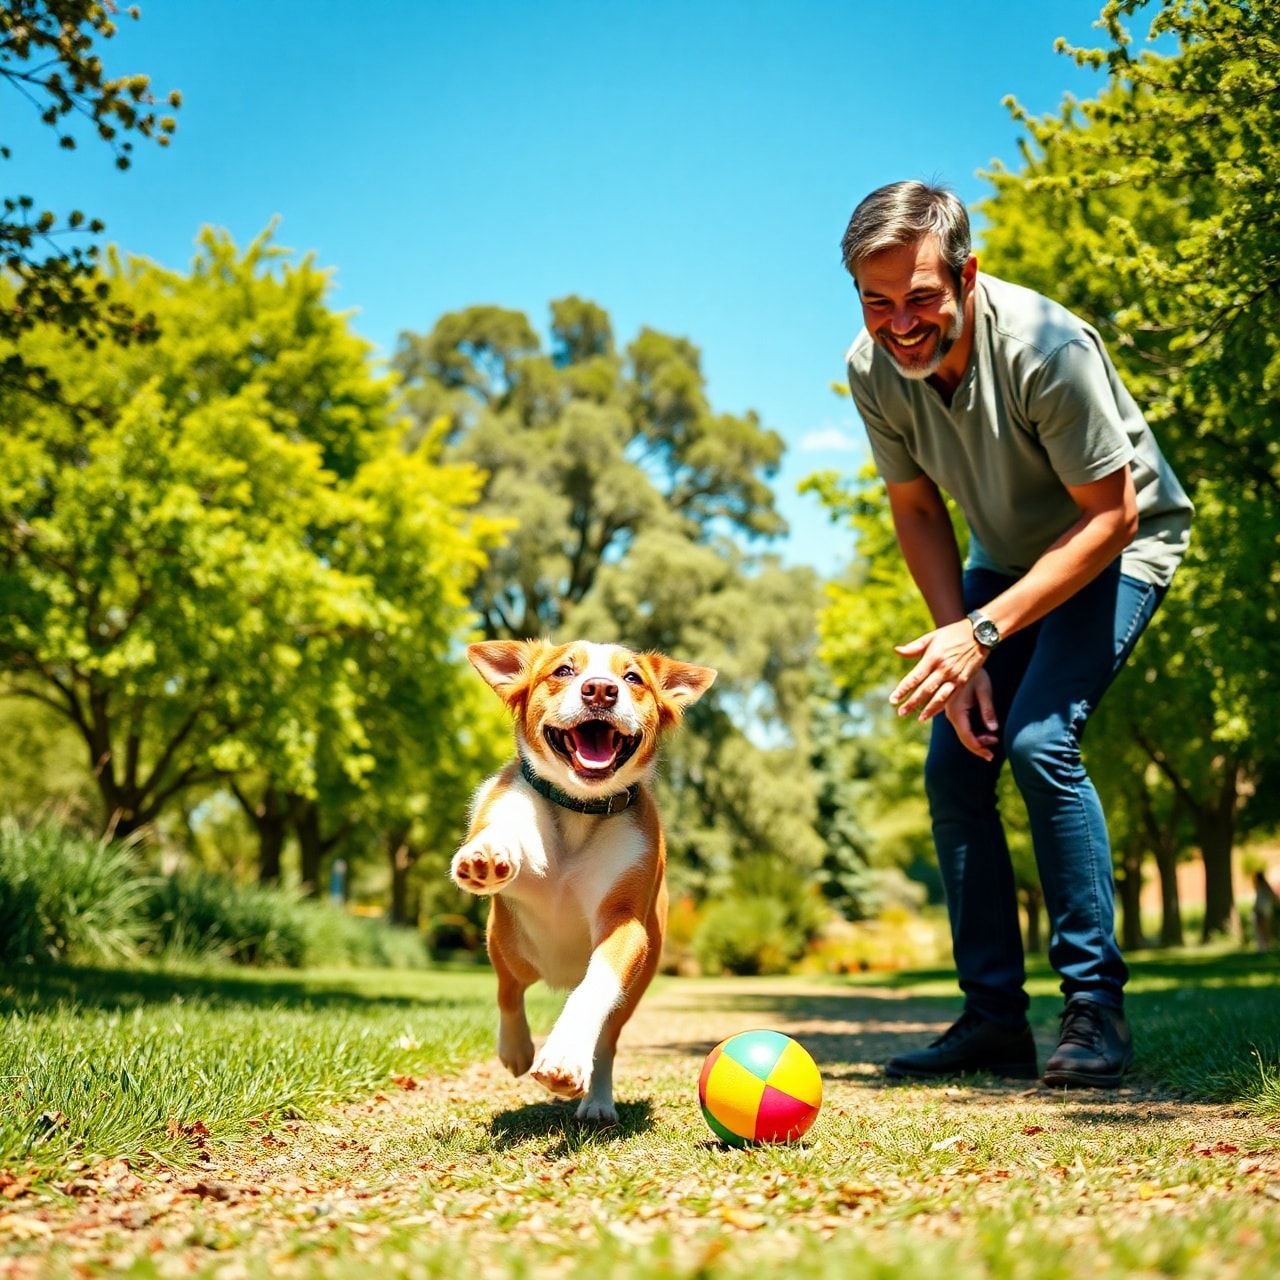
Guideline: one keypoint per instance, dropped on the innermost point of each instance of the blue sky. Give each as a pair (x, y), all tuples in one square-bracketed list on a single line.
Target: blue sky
[(689, 166)]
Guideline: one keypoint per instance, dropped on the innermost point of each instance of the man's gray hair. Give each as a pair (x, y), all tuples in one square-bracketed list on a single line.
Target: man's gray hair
[(902, 213)]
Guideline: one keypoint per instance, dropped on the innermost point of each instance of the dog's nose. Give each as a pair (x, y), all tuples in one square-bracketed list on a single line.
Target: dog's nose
[(597, 692)]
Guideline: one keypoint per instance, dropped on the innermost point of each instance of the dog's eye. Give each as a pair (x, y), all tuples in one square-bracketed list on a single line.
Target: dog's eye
[(563, 673), (634, 677)]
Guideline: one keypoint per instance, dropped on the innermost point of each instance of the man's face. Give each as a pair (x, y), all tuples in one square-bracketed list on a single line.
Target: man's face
[(911, 306)]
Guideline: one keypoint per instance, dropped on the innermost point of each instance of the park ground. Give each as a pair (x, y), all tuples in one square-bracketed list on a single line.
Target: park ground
[(461, 1171)]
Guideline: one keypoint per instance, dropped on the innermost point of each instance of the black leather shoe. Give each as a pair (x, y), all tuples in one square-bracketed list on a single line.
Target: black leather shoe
[(970, 1044), (1095, 1047)]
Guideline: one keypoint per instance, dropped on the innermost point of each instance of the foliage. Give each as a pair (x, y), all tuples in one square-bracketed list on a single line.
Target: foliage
[(48, 56), (1151, 211), (231, 569), (635, 504), (64, 895), (198, 914), (744, 935)]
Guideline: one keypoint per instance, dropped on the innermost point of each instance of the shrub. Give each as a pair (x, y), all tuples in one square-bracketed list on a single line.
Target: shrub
[(66, 896), (746, 936), (195, 912)]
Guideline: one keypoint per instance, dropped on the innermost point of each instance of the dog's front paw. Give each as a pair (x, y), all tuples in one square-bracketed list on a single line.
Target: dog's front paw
[(483, 866), (565, 1074)]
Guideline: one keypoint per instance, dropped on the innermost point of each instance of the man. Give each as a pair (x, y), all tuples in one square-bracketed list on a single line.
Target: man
[(1011, 405)]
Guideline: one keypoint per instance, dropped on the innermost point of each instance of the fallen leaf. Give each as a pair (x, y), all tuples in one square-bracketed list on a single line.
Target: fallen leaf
[(1032, 1129)]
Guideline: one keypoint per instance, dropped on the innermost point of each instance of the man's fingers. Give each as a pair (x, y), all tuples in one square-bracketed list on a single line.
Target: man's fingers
[(907, 686), (967, 739), (986, 704), (913, 648), (941, 696)]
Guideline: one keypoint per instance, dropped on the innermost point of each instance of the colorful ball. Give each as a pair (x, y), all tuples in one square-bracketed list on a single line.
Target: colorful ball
[(759, 1086)]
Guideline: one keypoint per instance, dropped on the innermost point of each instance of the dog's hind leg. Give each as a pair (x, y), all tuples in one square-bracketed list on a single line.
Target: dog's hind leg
[(515, 977)]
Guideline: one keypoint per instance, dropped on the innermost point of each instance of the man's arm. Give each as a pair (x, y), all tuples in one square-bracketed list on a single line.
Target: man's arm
[(928, 544), (950, 656)]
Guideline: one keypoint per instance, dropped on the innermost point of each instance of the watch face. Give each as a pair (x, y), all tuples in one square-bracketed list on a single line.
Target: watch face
[(985, 633)]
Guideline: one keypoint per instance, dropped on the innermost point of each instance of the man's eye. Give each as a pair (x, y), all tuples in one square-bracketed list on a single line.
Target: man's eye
[(563, 673), (634, 677)]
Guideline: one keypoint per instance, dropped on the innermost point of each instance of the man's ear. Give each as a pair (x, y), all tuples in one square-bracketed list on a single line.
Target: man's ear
[(502, 663), (681, 683)]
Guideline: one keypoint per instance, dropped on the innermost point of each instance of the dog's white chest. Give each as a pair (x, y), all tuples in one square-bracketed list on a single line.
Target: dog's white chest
[(555, 911)]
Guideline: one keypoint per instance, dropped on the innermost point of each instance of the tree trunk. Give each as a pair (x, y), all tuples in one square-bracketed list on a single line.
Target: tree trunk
[(1170, 907), (1130, 885), (1216, 829), (270, 817), (402, 857), (306, 825)]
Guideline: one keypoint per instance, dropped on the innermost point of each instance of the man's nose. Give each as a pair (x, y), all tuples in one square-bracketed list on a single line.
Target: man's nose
[(599, 692), (903, 320)]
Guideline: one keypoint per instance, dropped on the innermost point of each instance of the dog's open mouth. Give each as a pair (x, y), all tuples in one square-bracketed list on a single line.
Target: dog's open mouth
[(594, 748)]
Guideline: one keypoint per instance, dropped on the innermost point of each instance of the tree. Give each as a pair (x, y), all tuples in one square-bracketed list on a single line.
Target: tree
[(634, 504), (1150, 210), (224, 572), (48, 57)]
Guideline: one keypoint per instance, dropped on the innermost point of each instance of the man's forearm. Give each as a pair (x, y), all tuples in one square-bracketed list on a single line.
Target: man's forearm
[(928, 545), (1070, 563)]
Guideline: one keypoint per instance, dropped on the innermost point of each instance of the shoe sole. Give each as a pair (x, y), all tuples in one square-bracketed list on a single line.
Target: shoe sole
[(1064, 1079), (1009, 1070)]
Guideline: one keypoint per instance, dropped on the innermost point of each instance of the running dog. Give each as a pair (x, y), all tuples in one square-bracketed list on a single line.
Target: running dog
[(567, 843)]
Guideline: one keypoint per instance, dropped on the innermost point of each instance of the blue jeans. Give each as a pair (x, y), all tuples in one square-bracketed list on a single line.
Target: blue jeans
[(1045, 680)]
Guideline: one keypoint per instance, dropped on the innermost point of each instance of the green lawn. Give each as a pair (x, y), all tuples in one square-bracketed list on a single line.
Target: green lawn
[(102, 1062), (469, 1173)]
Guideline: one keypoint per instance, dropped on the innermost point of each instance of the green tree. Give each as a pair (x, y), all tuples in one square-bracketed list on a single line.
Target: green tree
[(634, 502), (223, 573), (48, 56), (1151, 211)]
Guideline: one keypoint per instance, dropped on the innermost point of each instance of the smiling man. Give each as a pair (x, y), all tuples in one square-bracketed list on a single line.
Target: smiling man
[(1009, 403)]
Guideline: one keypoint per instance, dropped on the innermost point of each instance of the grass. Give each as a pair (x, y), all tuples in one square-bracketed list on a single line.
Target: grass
[(98, 1062), (471, 1173)]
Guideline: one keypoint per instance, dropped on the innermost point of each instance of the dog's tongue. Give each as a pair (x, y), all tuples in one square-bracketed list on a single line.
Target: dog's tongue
[(593, 743)]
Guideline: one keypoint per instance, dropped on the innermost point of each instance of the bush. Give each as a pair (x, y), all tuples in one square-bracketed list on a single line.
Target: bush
[(195, 912), (64, 896), (745, 936)]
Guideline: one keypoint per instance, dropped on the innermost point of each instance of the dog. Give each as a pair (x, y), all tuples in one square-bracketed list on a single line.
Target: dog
[(567, 844)]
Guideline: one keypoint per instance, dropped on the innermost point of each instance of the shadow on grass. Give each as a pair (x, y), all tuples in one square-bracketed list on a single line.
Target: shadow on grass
[(45, 988), (1208, 1029), (558, 1122)]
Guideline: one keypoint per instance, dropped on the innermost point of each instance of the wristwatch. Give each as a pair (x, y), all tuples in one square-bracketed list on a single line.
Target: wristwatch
[(985, 632)]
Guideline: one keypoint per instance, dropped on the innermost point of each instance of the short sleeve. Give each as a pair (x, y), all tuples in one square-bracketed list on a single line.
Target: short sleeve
[(892, 458), (1072, 407)]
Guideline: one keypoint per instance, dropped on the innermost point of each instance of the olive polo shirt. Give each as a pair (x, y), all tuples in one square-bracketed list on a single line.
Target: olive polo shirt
[(1040, 407)]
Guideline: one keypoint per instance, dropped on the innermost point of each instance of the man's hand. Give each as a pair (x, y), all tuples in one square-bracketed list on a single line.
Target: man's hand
[(959, 710), (949, 658)]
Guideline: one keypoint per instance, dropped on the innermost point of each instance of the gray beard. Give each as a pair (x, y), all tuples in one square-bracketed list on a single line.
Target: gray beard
[(918, 373)]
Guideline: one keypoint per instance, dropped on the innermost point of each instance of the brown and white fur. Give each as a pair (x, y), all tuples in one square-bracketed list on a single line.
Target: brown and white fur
[(578, 899)]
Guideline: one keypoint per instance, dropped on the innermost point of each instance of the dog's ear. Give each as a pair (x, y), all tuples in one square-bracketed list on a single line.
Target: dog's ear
[(503, 664), (680, 683)]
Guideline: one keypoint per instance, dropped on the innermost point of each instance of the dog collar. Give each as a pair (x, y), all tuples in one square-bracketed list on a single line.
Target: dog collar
[(605, 805)]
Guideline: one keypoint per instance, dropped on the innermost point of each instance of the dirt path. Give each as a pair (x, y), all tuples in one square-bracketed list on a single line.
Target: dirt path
[(467, 1160)]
